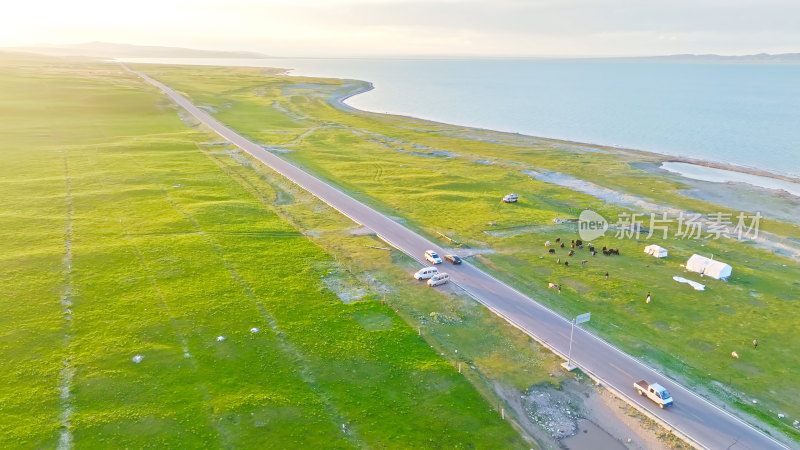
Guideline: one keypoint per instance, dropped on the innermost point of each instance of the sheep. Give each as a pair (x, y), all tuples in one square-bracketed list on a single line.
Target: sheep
[(552, 251), (734, 355)]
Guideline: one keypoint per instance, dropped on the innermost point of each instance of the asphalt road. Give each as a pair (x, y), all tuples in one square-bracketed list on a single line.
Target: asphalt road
[(706, 424)]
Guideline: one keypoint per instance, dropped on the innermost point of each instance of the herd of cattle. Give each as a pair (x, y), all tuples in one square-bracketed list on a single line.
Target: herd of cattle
[(577, 243)]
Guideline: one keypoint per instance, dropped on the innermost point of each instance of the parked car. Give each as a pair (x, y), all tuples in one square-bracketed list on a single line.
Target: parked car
[(453, 259), (654, 392), (439, 278), (425, 273), (432, 257), (510, 198)]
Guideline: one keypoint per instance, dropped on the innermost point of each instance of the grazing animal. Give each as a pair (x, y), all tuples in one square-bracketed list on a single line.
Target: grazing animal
[(552, 285), (594, 252), (604, 248), (552, 250), (755, 344), (579, 242), (734, 355), (547, 243), (571, 252), (558, 239), (566, 263), (562, 245), (580, 246), (591, 247), (584, 261), (572, 245), (558, 261)]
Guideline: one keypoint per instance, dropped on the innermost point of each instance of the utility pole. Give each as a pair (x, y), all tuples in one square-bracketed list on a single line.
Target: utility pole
[(577, 320)]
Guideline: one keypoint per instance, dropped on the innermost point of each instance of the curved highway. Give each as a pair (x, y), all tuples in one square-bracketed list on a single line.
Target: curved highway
[(706, 424)]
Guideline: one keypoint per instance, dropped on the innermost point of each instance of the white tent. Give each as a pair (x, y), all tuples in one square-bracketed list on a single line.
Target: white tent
[(709, 267), (656, 251)]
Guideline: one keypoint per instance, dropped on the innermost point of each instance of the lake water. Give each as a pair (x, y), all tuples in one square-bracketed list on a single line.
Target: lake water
[(743, 114)]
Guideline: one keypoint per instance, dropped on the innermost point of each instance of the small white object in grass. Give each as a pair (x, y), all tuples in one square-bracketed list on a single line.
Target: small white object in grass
[(254, 330), (137, 359), (220, 338), (781, 416), (186, 354), (755, 401)]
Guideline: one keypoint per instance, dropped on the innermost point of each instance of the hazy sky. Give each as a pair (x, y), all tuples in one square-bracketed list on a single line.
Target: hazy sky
[(437, 27)]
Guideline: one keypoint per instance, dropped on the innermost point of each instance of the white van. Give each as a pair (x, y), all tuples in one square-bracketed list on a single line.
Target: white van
[(510, 198), (439, 278), (425, 273)]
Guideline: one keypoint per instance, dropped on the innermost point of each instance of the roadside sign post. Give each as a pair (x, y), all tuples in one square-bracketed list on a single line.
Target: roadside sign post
[(577, 320)]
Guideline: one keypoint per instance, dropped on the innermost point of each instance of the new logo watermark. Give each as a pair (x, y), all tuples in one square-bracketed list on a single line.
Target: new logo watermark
[(591, 225)]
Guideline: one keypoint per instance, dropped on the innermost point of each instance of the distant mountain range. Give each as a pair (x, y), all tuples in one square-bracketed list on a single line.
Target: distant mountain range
[(111, 50), (764, 58)]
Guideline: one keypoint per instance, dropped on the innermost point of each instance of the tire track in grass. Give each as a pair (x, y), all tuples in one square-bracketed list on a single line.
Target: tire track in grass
[(305, 372), (225, 440), (67, 370)]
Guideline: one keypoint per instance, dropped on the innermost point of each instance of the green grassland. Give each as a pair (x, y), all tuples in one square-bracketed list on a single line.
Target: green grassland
[(447, 179), (123, 235), (501, 361)]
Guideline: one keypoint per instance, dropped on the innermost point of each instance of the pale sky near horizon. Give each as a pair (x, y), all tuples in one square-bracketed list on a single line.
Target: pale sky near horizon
[(416, 27)]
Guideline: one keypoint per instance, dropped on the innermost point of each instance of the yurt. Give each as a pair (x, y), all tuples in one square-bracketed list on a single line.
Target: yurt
[(656, 251), (709, 267)]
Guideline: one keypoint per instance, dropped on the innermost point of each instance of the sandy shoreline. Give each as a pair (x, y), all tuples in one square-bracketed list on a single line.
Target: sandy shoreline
[(340, 102)]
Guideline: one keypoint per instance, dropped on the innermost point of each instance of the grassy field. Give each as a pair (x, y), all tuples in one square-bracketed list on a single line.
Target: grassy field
[(446, 179), (124, 235)]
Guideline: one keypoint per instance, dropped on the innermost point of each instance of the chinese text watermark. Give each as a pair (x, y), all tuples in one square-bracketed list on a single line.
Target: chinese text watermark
[(592, 225)]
